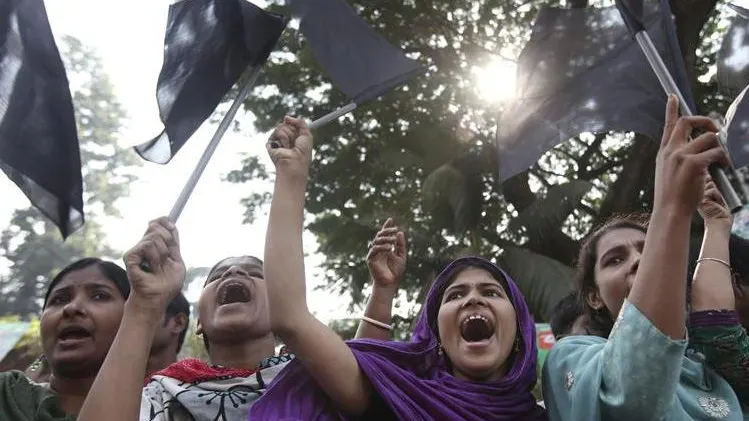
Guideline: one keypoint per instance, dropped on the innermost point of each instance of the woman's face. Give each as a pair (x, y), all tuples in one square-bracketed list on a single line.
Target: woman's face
[(477, 326), (618, 255), (234, 303), (80, 321)]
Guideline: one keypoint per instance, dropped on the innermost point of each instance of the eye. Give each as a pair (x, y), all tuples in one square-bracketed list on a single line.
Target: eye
[(58, 299), (453, 295), (613, 261), (493, 293), (100, 296)]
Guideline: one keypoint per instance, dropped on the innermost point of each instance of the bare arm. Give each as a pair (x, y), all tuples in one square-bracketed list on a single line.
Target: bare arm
[(116, 393), (379, 307), (712, 287), (328, 359), (659, 290), (386, 262)]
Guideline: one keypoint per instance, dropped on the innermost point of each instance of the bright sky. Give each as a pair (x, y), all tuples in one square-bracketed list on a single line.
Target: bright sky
[(129, 36)]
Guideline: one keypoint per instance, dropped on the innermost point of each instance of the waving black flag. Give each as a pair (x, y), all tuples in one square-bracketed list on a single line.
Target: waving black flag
[(361, 63), (38, 136), (208, 45), (580, 72)]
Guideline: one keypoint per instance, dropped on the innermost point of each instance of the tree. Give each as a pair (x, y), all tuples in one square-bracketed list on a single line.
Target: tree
[(424, 155), (31, 243)]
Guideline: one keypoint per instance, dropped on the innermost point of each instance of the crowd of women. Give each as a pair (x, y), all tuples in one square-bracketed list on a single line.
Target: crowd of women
[(650, 333)]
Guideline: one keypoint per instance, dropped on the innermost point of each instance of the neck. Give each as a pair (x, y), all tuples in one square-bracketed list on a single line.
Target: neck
[(161, 359), (246, 355), (71, 392)]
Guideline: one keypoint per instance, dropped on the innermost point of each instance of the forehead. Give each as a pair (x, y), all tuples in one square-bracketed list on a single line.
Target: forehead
[(473, 275), (82, 277), (619, 237), (244, 262)]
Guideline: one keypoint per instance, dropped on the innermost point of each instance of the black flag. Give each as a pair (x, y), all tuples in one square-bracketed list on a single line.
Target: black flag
[(208, 45), (361, 63), (38, 136), (581, 72)]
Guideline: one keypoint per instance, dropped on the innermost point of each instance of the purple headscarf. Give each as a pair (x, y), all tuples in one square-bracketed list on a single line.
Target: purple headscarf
[(413, 379)]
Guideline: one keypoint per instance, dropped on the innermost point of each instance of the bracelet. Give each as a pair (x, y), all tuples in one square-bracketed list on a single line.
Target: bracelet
[(713, 259), (377, 323)]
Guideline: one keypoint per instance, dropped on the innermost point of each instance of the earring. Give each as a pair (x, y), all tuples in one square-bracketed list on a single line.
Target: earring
[(517, 344), (440, 350)]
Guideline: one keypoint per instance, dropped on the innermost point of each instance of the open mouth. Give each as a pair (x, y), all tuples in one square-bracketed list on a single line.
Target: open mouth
[(476, 328), (73, 333), (233, 292)]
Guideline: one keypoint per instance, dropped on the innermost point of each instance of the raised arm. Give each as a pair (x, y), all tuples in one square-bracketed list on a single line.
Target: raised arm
[(714, 328), (328, 359), (386, 262), (659, 289), (116, 392), (712, 285)]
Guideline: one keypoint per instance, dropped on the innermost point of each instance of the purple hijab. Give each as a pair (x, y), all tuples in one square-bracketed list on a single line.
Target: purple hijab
[(413, 380)]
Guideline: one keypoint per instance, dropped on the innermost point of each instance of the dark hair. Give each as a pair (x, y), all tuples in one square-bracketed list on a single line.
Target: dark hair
[(179, 305), (564, 315), (600, 321), (110, 271), (738, 248)]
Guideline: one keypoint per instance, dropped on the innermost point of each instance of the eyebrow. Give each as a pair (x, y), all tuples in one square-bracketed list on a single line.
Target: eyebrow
[(622, 247), (87, 285), (483, 284), (250, 268)]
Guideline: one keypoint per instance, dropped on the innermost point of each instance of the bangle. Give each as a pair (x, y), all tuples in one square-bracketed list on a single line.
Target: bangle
[(713, 259), (377, 323)]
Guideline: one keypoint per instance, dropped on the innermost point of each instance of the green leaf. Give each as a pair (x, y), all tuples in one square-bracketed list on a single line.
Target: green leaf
[(543, 281)]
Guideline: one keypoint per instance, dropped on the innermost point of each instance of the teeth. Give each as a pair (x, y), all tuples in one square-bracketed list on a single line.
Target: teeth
[(476, 317)]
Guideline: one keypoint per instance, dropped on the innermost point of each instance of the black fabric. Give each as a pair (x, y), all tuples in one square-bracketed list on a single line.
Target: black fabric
[(581, 72), (38, 137), (208, 45)]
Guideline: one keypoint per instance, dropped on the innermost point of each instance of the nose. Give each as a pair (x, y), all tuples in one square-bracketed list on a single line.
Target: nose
[(633, 268), (474, 298), (75, 307), (235, 270)]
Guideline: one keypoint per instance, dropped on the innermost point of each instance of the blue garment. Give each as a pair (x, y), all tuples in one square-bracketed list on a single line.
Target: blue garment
[(637, 374)]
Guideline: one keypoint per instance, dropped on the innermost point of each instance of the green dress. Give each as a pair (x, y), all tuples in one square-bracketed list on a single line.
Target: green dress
[(720, 338), (637, 374), (23, 400)]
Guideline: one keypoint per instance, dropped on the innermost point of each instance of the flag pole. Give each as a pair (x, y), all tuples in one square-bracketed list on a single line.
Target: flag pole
[(247, 81), (669, 85), (332, 116)]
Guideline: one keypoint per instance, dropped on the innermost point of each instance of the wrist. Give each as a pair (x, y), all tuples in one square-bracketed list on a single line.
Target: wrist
[(672, 214), (718, 226), (145, 310), (383, 294)]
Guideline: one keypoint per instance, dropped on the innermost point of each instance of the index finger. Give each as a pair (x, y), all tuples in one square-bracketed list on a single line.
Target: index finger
[(672, 116)]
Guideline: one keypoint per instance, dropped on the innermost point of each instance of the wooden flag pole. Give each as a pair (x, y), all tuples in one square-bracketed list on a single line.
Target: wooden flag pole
[(669, 85)]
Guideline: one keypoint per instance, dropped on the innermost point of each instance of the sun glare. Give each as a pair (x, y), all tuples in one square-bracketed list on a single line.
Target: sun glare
[(496, 80)]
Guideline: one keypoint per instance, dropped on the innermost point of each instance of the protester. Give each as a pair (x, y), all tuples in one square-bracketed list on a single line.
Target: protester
[(638, 369), (472, 354), (82, 310), (567, 317), (170, 335), (715, 330)]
